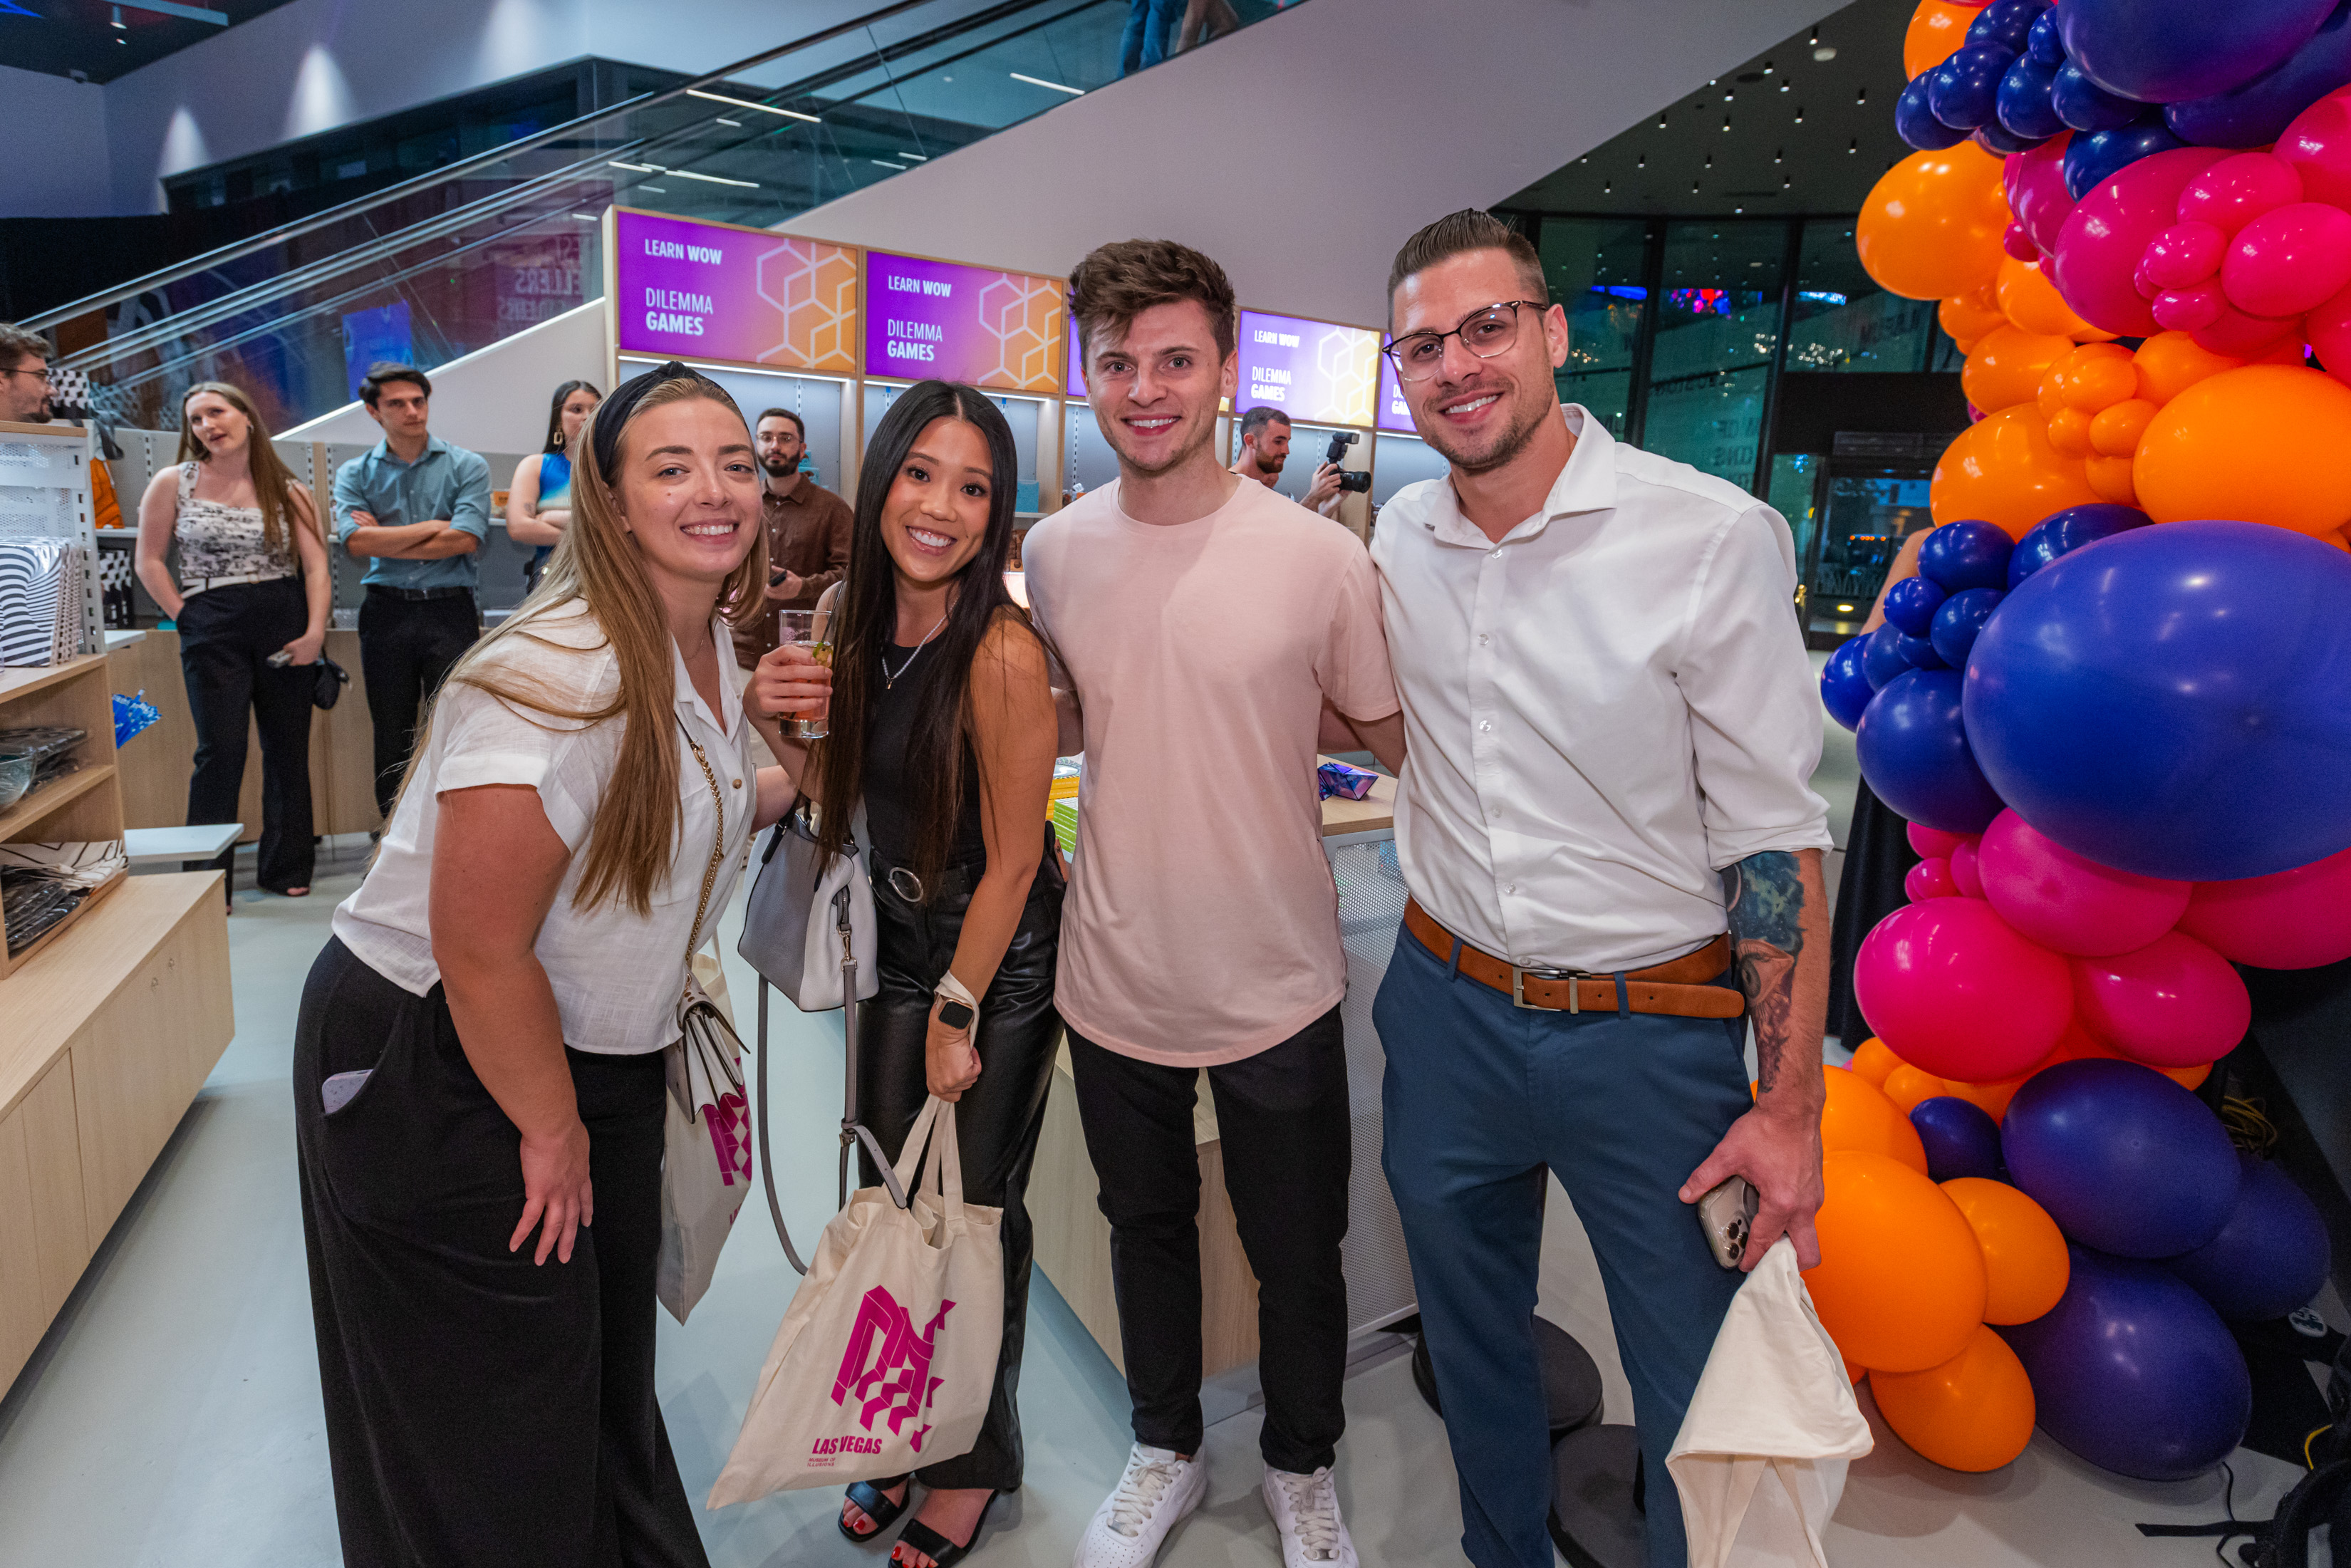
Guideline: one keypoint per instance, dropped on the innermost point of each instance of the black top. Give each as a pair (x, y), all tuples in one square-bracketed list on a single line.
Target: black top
[(893, 802)]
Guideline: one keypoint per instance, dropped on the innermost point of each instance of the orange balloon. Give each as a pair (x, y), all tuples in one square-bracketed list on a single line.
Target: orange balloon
[(2111, 479), (1936, 30), (2078, 1044), (2004, 472), (1854, 1374), (1932, 225), (2069, 432), (1973, 1413), (2263, 443), (2170, 362), (1855, 1114), (2091, 377), (2028, 298), (1900, 1284), (1968, 317), (2336, 540), (1990, 1097), (2116, 431), (2025, 1264), (1874, 1060), (2007, 364), (1906, 1085)]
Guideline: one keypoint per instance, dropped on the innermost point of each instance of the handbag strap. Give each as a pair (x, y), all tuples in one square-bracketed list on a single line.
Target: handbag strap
[(932, 1140), (717, 848)]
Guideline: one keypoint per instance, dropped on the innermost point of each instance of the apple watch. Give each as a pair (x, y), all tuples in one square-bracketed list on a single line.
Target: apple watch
[(955, 1014)]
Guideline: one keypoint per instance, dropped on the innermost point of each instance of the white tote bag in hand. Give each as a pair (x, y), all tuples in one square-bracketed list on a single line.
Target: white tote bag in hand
[(887, 1356), (706, 1143)]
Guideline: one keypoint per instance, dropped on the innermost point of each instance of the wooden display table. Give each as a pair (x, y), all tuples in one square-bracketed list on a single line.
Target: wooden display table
[(1073, 1236)]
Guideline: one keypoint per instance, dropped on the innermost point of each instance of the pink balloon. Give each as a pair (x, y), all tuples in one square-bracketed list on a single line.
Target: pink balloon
[(2108, 230), (2317, 147), (2185, 254), (2294, 919), (2186, 309), (2019, 244), (2235, 191), (1963, 869), (1933, 843), (1956, 993), (2329, 327), (2246, 337), (2036, 183), (2147, 285), (1929, 879), (2288, 259), (2069, 902), (2173, 1003)]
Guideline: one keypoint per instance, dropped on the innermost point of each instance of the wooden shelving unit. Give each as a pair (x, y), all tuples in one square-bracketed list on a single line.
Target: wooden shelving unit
[(84, 806)]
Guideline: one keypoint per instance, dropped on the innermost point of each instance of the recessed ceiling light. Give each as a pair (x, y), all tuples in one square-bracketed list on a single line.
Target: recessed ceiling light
[(1825, 53), (118, 18), (1861, 97), (1853, 146), (1800, 114)]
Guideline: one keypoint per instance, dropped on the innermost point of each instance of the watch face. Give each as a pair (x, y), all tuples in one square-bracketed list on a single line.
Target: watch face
[(954, 1014)]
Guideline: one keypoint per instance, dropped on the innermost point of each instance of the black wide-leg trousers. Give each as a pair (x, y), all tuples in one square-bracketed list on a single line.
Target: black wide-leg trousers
[(480, 1408)]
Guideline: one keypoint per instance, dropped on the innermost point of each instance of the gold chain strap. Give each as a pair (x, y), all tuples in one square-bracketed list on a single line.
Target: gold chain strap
[(718, 846)]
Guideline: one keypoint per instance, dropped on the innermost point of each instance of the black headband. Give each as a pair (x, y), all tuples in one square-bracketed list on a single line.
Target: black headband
[(611, 416)]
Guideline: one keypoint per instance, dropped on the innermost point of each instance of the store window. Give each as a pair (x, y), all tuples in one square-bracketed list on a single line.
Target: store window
[(1843, 321), (1718, 324), (1868, 517), (1593, 266)]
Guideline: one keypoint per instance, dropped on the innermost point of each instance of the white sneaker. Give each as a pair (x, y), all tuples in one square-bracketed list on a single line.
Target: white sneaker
[(1306, 1511), (1158, 1489)]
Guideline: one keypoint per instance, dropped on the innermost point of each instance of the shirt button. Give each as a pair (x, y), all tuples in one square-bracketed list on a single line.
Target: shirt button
[(1483, 639), (1512, 888), (738, 783), (1494, 552), (1485, 724)]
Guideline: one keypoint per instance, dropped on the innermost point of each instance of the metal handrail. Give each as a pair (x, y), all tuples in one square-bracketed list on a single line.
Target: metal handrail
[(390, 193)]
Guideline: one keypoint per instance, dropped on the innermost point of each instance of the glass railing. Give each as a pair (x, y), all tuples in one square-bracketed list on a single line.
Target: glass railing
[(451, 263)]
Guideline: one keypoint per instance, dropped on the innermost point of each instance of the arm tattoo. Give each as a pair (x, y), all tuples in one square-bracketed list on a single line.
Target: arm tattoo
[(1766, 896)]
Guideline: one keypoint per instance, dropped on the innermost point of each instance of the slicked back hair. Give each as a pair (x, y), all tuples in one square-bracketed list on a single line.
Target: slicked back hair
[(768, 414), (1117, 282), (384, 373), (1458, 234), (1260, 416)]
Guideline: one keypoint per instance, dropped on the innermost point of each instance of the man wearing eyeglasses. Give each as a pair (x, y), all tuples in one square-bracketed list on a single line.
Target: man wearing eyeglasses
[(1610, 724), (24, 376)]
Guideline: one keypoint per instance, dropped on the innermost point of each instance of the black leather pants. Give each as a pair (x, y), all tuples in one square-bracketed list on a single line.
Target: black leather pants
[(997, 1120)]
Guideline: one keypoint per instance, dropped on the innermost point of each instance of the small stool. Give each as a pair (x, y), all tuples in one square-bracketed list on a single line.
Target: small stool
[(1571, 1378), (1596, 1517)]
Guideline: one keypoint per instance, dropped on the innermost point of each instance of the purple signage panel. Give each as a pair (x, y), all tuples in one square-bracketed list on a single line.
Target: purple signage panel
[(1308, 369), (709, 291), (936, 319), (1394, 414), (1074, 357)]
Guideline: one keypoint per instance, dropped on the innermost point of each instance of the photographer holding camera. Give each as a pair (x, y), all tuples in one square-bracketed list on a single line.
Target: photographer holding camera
[(1265, 452)]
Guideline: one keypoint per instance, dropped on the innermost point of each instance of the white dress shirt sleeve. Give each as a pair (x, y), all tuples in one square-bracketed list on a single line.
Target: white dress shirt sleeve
[(1755, 714), (486, 741)]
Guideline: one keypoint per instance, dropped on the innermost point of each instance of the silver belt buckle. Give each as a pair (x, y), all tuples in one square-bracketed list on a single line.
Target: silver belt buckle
[(910, 888), (1519, 989)]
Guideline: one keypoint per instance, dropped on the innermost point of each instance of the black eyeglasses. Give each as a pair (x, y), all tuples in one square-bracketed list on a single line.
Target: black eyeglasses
[(42, 374), (1485, 333)]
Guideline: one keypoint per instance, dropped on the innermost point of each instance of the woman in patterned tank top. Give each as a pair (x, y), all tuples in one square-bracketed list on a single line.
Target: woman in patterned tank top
[(252, 585)]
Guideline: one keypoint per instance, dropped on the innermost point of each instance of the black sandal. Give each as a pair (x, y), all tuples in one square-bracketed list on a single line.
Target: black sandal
[(943, 1553), (870, 1500)]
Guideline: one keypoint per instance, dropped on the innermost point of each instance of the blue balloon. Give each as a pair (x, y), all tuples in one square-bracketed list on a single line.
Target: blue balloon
[(2257, 112), (2007, 23), (2159, 51), (2084, 105), (2090, 159), (2134, 1372), (1881, 657), (1911, 604), (1914, 752), (1962, 90), (2061, 533), (2269, 1258), (2171, 702), (2123, 1158), (1845, 691), (1961, 1138), (2000, 141), (1915, 121), (1965, 555), (2044, 42), (2023, 106), (1960, 620), (1919, 653)]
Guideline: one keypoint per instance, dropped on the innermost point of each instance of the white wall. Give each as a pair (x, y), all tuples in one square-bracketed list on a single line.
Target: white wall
[(1504, 91), (58, 166)]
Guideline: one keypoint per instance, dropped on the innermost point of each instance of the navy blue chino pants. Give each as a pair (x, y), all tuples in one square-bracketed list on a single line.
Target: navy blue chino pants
[(1479, 1097)]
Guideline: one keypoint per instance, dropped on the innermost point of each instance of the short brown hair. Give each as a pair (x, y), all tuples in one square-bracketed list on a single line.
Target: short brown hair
[(768, 414), (17, 345), (384, 375), (1458, 234), (1119, 281)]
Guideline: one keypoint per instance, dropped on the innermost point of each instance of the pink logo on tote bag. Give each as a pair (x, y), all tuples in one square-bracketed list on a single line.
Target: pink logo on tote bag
[(887, 1366), (729, 1123)]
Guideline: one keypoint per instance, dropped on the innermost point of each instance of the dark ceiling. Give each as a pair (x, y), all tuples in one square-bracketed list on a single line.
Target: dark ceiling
[(63, 36), (1805, 135)]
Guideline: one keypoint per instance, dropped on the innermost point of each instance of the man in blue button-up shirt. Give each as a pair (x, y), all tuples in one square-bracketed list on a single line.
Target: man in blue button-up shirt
[(416, 509)]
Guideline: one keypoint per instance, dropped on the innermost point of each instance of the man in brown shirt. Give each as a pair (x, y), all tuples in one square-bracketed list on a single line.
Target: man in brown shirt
[(807, 539)]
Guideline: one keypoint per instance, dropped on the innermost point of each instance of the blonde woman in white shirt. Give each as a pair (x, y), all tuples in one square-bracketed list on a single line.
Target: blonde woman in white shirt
[(478, 1070)]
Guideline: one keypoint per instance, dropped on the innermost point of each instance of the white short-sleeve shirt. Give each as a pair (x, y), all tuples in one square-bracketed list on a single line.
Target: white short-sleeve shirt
[(1601, 712), (617, 975)]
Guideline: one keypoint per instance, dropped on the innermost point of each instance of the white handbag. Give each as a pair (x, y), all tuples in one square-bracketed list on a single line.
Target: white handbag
[(798, 917), (886, 1359)]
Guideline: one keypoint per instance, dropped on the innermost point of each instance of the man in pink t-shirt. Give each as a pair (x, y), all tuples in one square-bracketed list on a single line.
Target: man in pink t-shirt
[(1210, 629)]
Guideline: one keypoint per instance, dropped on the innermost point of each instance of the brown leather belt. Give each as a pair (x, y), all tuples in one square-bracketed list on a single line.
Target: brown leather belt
[(1677, 987)]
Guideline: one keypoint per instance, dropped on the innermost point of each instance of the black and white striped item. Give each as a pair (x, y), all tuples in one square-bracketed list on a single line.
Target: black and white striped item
[(41, 601)]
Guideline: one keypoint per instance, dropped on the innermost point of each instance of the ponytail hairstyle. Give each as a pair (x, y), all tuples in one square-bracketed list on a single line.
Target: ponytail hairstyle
[(273, 482), (633, 837)]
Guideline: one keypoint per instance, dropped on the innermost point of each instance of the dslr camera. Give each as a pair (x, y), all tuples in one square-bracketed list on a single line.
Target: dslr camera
[(1348, 482)]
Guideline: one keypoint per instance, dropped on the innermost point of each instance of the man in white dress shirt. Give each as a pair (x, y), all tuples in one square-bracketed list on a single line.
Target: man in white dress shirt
[(1610, 725)]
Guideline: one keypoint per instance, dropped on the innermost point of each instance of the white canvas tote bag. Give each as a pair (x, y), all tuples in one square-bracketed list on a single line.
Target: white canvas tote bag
[(886, 1358)]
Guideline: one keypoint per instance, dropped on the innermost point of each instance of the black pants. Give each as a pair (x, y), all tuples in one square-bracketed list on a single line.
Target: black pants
[(480, 1408), (406, 645), (1284, 1121), (998, 1120), (226, 635)]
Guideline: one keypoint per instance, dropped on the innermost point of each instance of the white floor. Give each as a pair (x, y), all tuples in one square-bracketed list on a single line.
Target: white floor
[(171, 1417)]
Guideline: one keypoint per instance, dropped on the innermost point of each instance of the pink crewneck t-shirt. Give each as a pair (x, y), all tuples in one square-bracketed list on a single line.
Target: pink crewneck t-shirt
[(1201, 925)]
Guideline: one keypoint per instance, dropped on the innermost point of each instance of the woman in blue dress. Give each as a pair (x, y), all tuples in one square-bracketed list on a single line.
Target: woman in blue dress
[(538, 502)]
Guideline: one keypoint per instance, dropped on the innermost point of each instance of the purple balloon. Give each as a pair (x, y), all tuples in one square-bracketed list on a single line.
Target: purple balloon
[(2159, 51), (1959, 622), (1962, 89), (2091, 159), (2007, 23), (2024, 108), (1915, 121), (2257, 113), (1960, 1137), (2269, 1258), (1913, 751), (1881, 657), (2079, 102), (1966, 554), (2122, 1158), (1911, 604), (2044, 42), (2063, 532)]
